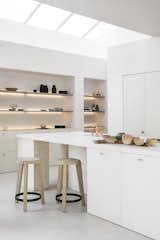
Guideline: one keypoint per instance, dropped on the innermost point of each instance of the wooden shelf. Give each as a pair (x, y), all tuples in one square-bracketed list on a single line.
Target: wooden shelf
[(94, 127), (44, 112), (35, 94), (94, 112), (91, 97)]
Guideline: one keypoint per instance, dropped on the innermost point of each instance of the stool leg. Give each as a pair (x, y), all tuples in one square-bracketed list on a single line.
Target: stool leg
[(41, 183), (64, 191), (80, 181), (25, 186), (60, 177), (19, 179)]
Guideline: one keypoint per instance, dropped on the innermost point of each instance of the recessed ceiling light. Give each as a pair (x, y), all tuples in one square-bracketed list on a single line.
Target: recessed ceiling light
[(48, 17), (78, 25), (17, 10)]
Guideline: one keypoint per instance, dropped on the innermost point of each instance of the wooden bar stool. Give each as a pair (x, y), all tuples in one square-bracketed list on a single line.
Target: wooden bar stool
[(62, 184), (23, 172)]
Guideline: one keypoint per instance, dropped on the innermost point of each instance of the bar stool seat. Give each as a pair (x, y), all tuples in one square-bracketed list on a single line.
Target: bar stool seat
[(62, 184), (23, 165)]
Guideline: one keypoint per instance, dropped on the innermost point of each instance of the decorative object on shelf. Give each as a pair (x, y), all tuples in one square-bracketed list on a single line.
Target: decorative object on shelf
[(43, 88), (97, 108), (58, 109), (98, 130), (20, 109), (97, 93), (110, 139), (127, 139), (151, 141), (59, 126), (119, 136), (138, 141), (34, 90), (13, 107), (87, 110), (11, 89), (51, 110), (54, 89), (93, 108), (43, 110), (43, 126), (63, 92)]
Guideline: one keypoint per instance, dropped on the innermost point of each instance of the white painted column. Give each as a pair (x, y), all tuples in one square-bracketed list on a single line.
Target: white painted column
[(78, 116)]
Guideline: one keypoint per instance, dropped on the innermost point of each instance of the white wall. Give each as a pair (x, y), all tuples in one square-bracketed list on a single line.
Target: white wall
[(138, 57), (22, 57)]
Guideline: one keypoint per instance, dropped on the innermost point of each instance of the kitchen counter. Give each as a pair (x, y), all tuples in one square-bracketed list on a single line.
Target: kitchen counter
[(122, 181), (82, 139)]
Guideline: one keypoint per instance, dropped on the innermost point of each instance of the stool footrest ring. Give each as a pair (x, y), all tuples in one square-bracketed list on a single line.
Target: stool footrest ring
[(19, 199), (78, 197)]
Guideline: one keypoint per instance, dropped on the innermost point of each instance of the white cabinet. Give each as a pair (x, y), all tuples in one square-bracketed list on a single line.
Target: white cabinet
[(8, 152), (125, 188), (152, 115), (104, 184), (141, 99), (134, 102), (141, 194)]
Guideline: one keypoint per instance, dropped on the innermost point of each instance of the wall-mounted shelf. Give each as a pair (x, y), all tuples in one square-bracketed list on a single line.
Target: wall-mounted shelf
[(14, 93), (30, 105), (90, 97), (43, 112), (93, 127), (94, 98), (94, 111)]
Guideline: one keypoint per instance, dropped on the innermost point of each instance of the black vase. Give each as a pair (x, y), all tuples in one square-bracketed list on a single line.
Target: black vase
[(54, 90), (43, 88)]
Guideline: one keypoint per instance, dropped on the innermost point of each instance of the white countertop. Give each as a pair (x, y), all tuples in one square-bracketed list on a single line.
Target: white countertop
[(82, 139)]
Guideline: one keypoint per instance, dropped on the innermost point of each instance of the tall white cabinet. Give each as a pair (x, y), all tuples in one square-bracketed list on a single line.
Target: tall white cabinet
[(141, 98), (141, 194), (124, 188)]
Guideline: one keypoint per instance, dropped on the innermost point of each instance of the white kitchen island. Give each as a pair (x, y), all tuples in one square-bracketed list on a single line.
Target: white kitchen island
[(123, 182)]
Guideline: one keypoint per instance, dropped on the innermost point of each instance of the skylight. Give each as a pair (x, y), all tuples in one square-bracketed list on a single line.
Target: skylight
[(97, 32), (48, 17), (17, 10), (78, 25)]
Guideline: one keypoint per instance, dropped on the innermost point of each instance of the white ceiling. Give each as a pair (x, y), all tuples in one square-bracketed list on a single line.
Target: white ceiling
[(139, 15), (62, 27)]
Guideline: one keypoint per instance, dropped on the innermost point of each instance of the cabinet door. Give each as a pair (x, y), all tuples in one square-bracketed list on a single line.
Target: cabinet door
[(8, 161), (141, 194), (8, 142), (103, 184), (152, 104), (134, 104)]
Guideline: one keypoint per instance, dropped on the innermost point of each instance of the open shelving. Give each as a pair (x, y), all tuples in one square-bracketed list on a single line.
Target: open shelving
[(93, 97), (34, 105), (94, 119), (43, 112), (14, 93)]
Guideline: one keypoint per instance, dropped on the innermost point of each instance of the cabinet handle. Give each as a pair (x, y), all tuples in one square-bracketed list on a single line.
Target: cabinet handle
[(140, 159), (101, 153)]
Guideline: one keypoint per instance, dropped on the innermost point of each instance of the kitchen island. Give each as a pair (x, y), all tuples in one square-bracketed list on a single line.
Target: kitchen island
[(122, 181)]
